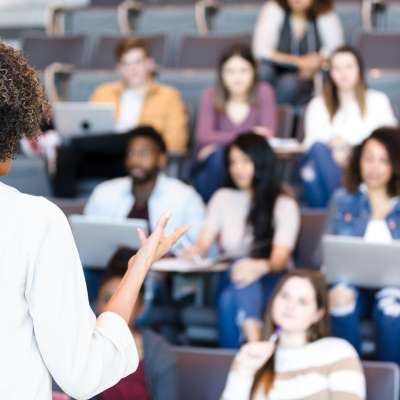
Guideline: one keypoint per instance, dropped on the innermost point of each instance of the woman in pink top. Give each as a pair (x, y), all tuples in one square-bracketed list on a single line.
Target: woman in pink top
[(237, 104)]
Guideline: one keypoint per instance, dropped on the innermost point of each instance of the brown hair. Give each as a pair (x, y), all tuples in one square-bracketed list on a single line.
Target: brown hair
[(23, 105), (331, 95), (129, 43), (390, 139), (317, 8), (266, 374), (221, 93)]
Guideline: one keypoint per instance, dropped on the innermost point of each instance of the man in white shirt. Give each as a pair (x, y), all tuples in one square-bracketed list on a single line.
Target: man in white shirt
[(48, 328), (146, 193)]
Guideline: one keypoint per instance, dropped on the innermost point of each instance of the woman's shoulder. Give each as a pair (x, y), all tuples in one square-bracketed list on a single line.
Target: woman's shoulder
[(32, 207), (344, 197), (285, 200), (317, 103), (375, 97), (332, 350), (273, 9), (225, 194), (209, 93)]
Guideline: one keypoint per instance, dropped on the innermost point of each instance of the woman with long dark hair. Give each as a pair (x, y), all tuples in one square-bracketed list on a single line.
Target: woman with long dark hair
[(292, 39), (342, 117), (238, 103), (369, 207), (298, 359), (255, 221)]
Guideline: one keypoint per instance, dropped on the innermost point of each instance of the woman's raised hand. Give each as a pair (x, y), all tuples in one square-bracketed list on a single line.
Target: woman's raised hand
[(157, 244)]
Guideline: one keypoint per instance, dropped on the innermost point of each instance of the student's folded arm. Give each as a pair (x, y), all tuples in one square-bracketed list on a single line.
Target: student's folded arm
[(84, 355)]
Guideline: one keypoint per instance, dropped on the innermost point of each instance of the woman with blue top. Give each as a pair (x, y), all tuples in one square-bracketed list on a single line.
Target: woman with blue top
[(369, 207)]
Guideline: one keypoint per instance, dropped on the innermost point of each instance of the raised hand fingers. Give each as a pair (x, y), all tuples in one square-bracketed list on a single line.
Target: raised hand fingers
[(178, 233), (162, 222), (142, 236)]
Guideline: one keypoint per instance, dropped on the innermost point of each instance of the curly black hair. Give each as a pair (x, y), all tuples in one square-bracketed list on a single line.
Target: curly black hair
[(23, 104)]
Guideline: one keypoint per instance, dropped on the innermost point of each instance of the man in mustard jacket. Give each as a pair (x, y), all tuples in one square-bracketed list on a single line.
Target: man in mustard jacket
[(140, 100)]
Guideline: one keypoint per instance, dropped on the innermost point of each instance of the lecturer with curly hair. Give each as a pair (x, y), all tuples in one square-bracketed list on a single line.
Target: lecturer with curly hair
[(48, 328)]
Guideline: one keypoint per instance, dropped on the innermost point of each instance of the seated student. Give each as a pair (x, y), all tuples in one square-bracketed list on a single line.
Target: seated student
[(292, 39), (237, 104), (146, 193), (156, 376), (369, 207), (257, 222), (298, 359), (345, 115), (139, 100)]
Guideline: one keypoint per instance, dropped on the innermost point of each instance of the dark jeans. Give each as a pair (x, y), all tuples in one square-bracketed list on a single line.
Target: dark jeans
[(320, 175), (209, 175), (237, 304), (384, 308), (289, 87), (101, 156)]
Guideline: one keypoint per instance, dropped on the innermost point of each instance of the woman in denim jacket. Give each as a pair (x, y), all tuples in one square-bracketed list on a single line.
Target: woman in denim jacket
[(369, 207)]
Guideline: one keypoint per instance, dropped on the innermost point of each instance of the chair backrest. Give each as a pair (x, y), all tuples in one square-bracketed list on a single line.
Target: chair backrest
[(81, 84), (29, 175), (205, 51), (191, 84), (380, 49), (41, 51), (387, 82), (173, 21), (286, 119), (232, 17), (311, 226), (350, 15), (202, 374), (382, 380), (104, 52)]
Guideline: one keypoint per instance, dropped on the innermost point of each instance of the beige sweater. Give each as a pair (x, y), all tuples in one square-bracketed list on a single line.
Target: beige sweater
[(327, 369)]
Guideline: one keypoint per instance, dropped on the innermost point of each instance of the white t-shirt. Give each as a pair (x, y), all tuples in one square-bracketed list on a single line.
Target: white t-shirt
[(131, 103), (348, 122), (227, 214), (48, 327)]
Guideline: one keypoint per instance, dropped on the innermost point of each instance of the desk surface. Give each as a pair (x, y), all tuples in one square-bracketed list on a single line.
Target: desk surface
[(186, 266)]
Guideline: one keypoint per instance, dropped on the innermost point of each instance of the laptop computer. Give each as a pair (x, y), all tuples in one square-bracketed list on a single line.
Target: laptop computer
[(98, 238), (357, 262), (74, 119)]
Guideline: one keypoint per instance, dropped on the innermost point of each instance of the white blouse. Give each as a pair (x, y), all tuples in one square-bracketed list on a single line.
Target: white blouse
[(269, 25), (48, 327), (348, 122)]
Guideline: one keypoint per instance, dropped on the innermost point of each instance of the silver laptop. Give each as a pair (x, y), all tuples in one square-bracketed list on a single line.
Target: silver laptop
[(357, 262), (97, 238), (73, 119)]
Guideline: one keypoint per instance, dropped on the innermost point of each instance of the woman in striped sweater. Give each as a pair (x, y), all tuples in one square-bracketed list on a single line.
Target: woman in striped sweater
[(299, 360)]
